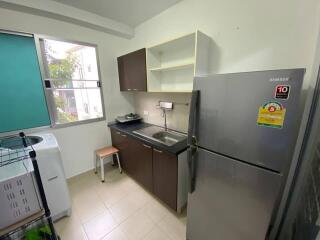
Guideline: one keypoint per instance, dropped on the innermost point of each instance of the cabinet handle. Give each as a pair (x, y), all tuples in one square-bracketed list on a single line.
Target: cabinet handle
[(118, 133), (146, 146), (123, 135), (135, 89), (157, 150), (129, 89)]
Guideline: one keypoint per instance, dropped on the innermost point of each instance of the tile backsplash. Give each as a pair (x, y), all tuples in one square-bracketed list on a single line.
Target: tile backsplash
[(177, 119)]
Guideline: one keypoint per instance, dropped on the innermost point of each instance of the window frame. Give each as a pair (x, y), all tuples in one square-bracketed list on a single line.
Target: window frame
[(49, 91)]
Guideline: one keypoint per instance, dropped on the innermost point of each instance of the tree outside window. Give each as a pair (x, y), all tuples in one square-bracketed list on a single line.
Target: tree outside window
[(73, 73)]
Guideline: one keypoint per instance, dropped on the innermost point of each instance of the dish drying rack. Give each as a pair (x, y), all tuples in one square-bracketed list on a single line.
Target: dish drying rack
[(33, 223)]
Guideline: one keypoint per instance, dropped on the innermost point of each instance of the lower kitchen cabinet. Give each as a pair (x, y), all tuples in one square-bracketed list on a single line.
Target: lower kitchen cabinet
[(165, 176), (135, 158), (121, 141), (161, 173), (141, 155)]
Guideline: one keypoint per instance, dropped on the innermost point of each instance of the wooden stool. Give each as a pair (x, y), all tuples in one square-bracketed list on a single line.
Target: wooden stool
[(101, 154)]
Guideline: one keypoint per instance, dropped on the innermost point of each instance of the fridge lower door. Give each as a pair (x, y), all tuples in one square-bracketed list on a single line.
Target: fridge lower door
[(232, 200)]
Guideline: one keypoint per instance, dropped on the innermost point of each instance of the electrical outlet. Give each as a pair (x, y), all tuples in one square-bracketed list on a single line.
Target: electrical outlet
[(145, 113)]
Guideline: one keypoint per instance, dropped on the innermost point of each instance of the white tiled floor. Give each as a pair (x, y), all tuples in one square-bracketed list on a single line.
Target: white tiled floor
[(118, 209)]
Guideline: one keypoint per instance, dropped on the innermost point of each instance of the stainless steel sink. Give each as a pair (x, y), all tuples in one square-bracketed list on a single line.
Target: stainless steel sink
[(168, 138), (16, 142)]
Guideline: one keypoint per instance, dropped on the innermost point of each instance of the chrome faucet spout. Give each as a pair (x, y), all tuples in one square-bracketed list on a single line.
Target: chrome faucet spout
[(165, 119), (165, 106)]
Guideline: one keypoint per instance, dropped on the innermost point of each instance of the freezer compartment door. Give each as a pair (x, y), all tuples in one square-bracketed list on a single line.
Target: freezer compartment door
[(231, 200), (227, 113)]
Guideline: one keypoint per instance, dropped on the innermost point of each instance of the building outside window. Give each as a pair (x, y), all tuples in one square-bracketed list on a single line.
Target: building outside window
[(72, 81)]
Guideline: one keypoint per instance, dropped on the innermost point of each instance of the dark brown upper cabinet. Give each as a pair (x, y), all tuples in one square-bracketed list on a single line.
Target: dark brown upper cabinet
[(132, 71)]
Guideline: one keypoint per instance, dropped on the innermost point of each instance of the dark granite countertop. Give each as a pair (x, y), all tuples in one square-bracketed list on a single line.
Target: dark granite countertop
[(128, 129)]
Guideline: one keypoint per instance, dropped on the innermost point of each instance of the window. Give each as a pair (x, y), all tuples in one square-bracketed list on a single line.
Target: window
[(72, 81)]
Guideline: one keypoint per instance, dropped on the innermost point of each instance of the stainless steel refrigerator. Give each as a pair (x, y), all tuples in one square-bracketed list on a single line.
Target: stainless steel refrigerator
[(243, 129)]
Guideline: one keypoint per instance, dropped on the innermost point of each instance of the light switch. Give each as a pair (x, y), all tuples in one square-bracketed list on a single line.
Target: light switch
[(145, 113)]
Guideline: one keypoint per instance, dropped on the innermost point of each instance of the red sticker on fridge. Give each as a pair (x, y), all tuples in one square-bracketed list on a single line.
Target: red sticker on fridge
[(282, 92)]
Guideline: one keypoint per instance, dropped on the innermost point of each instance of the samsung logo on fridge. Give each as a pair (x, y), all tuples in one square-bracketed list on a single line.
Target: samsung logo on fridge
[(280, 79)]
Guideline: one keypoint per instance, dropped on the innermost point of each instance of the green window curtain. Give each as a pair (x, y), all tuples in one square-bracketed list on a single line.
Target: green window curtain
[(22, 100)]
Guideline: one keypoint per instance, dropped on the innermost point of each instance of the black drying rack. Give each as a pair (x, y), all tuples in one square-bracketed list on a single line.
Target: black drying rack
[(18, 148)]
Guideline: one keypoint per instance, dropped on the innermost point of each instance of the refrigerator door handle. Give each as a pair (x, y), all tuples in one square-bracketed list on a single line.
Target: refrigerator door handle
[(192, 167), (193, 118)]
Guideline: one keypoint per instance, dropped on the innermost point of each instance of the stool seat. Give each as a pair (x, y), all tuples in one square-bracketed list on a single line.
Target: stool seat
[(106, 151)]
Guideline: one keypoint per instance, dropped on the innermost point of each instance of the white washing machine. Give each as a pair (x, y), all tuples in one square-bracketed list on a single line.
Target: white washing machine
[(52, 175)]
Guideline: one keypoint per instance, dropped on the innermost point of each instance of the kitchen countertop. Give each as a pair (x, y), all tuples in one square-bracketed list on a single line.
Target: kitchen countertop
[(128, 129)]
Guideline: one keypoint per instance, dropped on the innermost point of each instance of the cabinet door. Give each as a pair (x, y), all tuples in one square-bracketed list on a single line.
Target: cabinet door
[(120, 141), (165, 177), (132, 71), (142, 154), (129, 157), (116, 138)]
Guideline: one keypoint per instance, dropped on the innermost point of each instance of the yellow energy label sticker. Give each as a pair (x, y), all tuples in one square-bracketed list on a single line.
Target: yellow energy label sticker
[(271, 114)]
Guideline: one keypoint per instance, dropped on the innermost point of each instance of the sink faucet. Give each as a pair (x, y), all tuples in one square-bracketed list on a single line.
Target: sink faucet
[(165, 106), (164, 114)]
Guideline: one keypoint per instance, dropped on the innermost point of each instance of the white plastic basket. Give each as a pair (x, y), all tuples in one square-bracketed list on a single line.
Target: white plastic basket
[(18, 193)]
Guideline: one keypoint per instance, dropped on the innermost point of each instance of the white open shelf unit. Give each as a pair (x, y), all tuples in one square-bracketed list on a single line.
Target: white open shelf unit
[(172, 65)]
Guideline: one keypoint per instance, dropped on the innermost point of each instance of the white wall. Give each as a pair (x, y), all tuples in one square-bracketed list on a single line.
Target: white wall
[(78, 143), (247, 35), (177, 119), (316, 57)]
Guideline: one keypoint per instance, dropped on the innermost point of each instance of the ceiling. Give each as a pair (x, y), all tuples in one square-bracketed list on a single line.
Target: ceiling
[(130, 12)]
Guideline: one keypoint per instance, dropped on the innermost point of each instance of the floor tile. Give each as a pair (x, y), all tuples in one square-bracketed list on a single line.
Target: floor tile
[(137, 226), (118, 209), (156, 234), (174, 226), (85, 180), (112, 173), (112, 192), (87, 204), (99, 226), (116, 234), (155, 210), (130, 185), (129, 205), (123, 209), (111, 195), (70, 228)]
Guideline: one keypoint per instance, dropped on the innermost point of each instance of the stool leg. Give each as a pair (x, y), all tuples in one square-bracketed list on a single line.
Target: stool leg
[(113, 163), (95, 163), (120, 169), (102, 169)]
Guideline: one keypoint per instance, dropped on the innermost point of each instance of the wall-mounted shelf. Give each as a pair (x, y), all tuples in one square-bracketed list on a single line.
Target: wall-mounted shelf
[(22, 223), (172, 65)]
